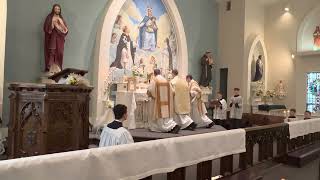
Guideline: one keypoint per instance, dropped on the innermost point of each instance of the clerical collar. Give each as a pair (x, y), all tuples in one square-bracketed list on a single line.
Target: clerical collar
[(236, 95), (118, 120)]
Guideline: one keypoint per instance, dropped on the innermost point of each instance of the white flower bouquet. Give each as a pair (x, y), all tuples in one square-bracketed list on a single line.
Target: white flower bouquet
[(77, 80), (137, 72)]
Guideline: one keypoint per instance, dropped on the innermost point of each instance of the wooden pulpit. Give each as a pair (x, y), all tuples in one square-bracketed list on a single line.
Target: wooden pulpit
[(48, 118)]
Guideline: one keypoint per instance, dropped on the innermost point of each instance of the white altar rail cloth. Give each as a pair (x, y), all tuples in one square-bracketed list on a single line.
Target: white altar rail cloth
[(303, 127), (127, 162)]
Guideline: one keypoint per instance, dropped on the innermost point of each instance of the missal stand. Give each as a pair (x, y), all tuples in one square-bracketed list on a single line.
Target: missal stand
[(48, 118)]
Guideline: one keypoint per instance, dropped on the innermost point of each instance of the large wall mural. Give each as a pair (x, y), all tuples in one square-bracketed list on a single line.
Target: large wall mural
[(143, 37)]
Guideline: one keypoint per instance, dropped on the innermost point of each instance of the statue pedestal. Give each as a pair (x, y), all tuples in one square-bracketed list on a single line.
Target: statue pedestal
[(44, 79)]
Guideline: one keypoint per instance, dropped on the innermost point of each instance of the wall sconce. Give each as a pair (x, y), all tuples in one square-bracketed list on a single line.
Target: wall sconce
[(293, 56), (286, 9)]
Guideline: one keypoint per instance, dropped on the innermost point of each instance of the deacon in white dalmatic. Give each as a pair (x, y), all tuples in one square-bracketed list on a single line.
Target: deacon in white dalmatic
[(236, 109), (181, 101), (198, 108), (114, 133), (161, 105), (220, 110)]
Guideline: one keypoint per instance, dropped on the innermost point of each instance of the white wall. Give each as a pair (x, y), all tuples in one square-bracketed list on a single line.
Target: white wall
[(237, 31), (231, 43), (3, 22), (281, 31)]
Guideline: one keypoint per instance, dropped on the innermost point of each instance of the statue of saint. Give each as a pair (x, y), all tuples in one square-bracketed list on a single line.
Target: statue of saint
[(259, 69), (206, 66), (148, 32), (316, 37), (280, 90), (56, 30), (125, 51)]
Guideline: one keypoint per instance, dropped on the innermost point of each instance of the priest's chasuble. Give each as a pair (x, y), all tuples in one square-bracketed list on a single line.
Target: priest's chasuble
[(181, 95), (160, 92), (195, 92)]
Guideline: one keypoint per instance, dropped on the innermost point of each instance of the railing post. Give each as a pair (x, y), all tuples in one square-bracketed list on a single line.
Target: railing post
[(178, 174), (204, 170), (226, 165)]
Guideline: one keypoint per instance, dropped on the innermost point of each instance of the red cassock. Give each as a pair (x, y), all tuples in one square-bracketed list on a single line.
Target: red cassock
[(53, 44)]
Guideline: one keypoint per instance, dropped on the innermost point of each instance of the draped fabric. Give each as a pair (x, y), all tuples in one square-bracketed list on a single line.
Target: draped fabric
[(126, 162), (181, 95), (160, 92)]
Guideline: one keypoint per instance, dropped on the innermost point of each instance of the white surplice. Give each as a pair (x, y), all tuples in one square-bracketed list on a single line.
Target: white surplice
[(182, 111), (160, 122), (236, 112), (220, 113), (198, 108), (113, 137)]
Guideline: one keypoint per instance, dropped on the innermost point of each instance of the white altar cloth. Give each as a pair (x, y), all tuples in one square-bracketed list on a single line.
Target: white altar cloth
[(127, 162), (130, 99), (303, 127)]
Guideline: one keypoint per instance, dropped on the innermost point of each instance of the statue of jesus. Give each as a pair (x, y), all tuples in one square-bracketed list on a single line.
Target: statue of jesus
[(55, 29)]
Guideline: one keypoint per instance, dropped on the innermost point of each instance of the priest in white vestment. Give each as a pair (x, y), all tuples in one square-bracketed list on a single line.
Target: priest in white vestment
[(198, 108), (181, 101), (236, 109), (114, 133), (161, 105)]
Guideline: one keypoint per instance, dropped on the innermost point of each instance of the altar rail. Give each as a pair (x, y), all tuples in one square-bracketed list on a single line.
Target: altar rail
[(262, 143)]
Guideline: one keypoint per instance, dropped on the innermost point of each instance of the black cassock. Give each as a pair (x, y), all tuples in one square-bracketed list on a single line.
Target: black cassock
[(206, 74)]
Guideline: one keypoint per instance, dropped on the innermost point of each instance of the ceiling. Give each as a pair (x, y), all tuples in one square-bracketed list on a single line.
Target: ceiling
[(270, 2)]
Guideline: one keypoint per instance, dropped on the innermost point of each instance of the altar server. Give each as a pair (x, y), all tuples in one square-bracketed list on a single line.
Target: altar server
[(114, 133), (161, 105), (198, 108), (220, 110), (307, 115), (181, 101), (236, 109), (292, 116)]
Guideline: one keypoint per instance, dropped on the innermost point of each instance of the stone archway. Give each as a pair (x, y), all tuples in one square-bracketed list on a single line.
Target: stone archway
[(100, 66), (306, 29)]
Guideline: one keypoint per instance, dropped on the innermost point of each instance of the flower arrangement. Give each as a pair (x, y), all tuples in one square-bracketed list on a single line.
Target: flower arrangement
[(77, 80), (108, 83), (109, 103), (137, 72), (269, 94)]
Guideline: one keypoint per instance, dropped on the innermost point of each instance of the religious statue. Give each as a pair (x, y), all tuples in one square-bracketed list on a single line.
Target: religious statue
[(280, 90), (259, 69), (148, 32), (125, 51), (316, 37), (56, 30), (206, 66)]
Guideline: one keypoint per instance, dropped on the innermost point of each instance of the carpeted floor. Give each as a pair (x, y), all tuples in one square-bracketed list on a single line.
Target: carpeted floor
[(145, 133)]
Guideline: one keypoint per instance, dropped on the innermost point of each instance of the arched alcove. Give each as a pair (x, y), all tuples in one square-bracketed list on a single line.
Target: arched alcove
[(257, 48), (100, 65), (305, 40)]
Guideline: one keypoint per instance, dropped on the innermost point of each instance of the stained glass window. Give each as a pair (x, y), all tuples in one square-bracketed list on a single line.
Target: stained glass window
[(313, 92)]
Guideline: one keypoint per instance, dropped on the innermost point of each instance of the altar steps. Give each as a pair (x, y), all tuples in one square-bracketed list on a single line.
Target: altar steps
[(303, 156)]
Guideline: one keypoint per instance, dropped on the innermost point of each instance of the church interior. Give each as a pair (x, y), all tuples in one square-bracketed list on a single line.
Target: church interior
[(160, 89)]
